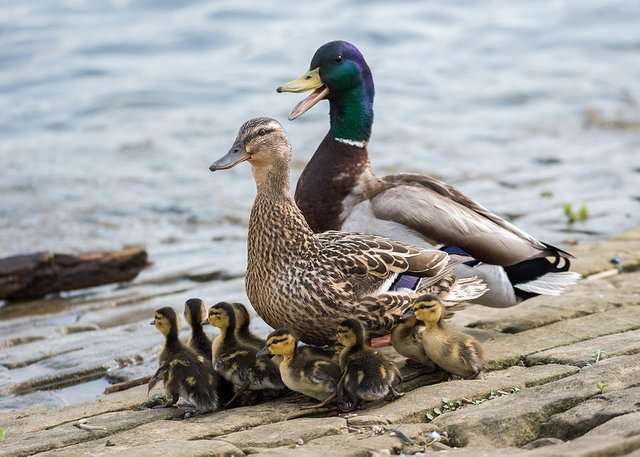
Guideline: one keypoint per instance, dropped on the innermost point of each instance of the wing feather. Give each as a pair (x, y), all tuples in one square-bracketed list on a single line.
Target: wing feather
[(443, 215)]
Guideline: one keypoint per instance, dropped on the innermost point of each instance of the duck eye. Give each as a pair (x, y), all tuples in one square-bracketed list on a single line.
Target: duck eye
[(262, 132), (338, 59)]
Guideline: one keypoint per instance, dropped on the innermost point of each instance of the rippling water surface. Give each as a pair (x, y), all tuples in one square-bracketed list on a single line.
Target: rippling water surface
[(111, 112)]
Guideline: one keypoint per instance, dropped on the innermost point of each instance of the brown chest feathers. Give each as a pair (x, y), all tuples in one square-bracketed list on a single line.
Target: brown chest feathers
[(330, 176), (285, 282)]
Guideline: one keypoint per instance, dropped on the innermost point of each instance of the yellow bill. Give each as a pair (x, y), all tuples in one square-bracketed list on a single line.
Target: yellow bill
[(309, 81)]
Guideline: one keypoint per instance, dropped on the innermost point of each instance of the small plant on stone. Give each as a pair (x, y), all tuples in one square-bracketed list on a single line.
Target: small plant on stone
[(154, 400), (602, 386), (2, 433), (579, 215), (449, 405), (598, 354)]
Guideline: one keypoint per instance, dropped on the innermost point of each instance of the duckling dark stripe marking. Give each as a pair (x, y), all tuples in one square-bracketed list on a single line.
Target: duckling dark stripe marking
[(281, 340), (426, 306)]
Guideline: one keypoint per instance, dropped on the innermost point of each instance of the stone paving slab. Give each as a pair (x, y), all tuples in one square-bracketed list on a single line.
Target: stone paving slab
[(537, 346), (595, 257), (515, 420), (67, 435), (619, 436), (586, 352), (286, 433), (505, 350), (173, 448), (413, 406), (592, 413)]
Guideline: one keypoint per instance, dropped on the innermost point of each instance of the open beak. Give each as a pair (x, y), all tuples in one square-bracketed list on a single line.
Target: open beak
[(205, 322), (236, 154), (309, 81), (408, 314), (263, 351)]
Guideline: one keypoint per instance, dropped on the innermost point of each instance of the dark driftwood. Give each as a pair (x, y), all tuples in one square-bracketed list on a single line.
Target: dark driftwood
[(126, 385), (35, 275)]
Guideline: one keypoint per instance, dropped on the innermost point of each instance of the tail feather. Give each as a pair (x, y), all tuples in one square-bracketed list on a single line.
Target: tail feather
[(541, 276), (550, 284), (466, 289)]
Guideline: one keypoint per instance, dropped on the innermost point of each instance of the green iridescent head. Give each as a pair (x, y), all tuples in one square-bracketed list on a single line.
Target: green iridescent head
[(338, 73)]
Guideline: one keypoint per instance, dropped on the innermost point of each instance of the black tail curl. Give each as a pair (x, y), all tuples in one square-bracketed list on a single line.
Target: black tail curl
[(532, 269)]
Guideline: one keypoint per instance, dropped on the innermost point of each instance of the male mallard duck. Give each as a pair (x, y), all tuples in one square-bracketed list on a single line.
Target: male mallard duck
[(310, 282), (453, 351), (302, 371), (242, 327), (338, 190), (235, 360), (367, 374), (182, 369), (194, 313)]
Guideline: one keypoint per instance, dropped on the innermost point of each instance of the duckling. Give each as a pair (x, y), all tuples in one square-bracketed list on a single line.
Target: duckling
[(194, 313), (183, 371), (367, 375), (452, 350), (243, 332), (406, 339), (235, 360), (302, 371), (242, 327), (337, 350), (326, 352)]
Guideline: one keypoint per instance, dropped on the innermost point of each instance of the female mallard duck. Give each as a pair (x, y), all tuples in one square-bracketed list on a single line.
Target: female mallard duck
[(242, 327), (338, 190), (183, 371), (302, 371), (194, 313), (367, 374), (453, 351), (235, 360), (311, 282)]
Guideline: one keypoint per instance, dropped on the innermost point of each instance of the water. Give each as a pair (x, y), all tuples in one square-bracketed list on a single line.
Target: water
[(111, 112)]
